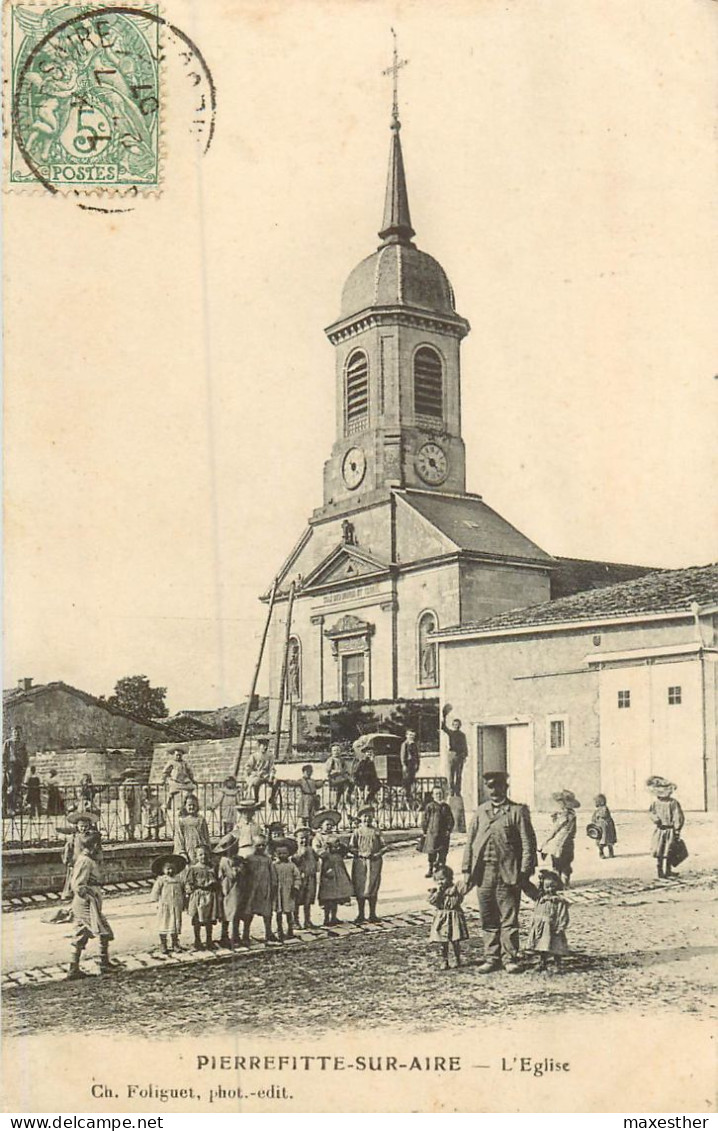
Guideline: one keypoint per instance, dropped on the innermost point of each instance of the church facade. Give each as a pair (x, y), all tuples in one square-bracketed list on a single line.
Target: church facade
[(399, 548)]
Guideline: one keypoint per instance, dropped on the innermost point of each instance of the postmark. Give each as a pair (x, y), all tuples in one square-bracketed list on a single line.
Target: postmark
[(86, 98)]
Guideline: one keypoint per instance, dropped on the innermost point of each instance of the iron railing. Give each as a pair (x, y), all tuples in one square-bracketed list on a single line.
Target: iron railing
[(142, 813)]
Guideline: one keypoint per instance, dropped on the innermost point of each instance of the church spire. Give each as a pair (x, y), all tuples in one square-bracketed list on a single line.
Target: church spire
[(396, 226)]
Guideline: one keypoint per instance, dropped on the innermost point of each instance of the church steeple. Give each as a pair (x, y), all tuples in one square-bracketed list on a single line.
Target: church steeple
[(396, 226)]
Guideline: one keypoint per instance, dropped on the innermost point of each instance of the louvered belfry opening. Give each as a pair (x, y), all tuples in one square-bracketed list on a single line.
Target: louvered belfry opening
[(428, 383), (357, 392)]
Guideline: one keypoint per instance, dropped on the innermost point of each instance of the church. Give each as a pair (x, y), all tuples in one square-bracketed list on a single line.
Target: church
[(399, 549)]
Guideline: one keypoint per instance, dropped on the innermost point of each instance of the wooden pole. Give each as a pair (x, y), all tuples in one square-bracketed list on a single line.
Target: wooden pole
[(255, 677), (283, 677)]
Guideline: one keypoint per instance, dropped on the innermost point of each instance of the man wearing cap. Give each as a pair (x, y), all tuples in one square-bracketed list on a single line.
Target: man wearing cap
[(260, 767), (499, 858)]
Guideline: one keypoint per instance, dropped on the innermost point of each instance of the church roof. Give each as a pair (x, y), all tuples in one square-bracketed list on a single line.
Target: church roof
[(398, 275), (474, 526), (666, 591)]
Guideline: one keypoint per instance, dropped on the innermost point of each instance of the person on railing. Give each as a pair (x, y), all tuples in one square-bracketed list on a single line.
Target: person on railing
[(87, 791), (55, 800), (14, 759), (260, 769), (191, 831), (367, 848), (366, 778), (410, 762), (458, 750), (308, 796), (338, 775), (131, 793), (32, 792), (178, 778)]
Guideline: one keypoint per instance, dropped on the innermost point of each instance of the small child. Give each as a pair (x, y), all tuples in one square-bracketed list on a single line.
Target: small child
[(307, 862), (191, 830), (604, 821), (168, 892), (549, 921), (449, 922), (200, 885), (560, 842), (308, 794), (667, 815), (90, 922), (288, 879), (152, 813), (230, 874)]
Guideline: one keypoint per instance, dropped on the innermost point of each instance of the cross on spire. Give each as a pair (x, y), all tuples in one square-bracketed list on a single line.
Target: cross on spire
[(393, 70)]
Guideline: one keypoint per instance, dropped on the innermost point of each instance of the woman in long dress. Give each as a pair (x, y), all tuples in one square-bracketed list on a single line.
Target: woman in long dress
[(560, 842), (366, 848), (335, 887)]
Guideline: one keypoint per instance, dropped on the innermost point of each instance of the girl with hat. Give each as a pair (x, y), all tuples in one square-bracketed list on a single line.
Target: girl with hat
[(549, 921), (287, 878), (560, 842), (230, 873), (335, 887), (667, 816), (168, 893), (307, 862), (603, 822), (226, 805), (79, 822), (247, 827), (191, 831), (87, 905), (366, 847)]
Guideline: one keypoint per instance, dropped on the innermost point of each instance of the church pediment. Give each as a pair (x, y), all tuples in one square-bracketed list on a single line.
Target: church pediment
[(345, 563)]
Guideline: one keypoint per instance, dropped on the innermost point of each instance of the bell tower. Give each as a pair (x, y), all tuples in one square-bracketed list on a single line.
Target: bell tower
[(398, 377)]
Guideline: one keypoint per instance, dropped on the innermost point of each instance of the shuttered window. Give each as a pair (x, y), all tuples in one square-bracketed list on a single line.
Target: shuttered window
[(356, 405), (428, 383)]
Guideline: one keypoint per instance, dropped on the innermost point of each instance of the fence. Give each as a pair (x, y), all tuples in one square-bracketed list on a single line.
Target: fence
[(137, 813)]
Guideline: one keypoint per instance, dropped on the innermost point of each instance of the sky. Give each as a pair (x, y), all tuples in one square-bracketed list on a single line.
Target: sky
[(169, 390)]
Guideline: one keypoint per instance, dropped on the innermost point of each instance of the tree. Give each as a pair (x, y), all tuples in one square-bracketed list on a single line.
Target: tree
[(134, 695)]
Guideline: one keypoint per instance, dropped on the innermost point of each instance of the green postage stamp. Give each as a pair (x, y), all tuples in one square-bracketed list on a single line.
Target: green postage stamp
[(85, 106)]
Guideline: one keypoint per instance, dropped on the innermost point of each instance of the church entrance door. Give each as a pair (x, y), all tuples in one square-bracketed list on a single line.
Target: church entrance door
[(353, 677)]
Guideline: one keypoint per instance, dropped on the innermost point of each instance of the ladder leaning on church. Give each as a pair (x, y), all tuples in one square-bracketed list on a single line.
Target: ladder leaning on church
[(255, 675)]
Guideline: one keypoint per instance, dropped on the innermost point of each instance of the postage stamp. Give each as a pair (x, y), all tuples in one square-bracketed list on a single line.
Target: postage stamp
[(86, 97)]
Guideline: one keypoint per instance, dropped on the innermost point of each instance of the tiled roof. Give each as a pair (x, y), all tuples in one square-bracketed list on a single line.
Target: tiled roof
[(15, 695), (664, 591), (574, 575), (474, 526)]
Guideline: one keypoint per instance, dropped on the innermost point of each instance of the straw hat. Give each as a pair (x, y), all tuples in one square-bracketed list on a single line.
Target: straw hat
[(547, 874), (246, 805), (657, 782), (287, 842), (593, 831), (323, 815), (178, 863), (367, 809), (90, 815), (225, 844), (567, 797)]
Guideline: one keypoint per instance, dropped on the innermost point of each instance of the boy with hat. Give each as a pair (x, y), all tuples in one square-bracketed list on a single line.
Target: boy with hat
[(366, 847), (247, 827), (561, 841), (230, 873), (168, 892), (287, 880), (87, 905), (499, 858), (307, 862), (667, 815)]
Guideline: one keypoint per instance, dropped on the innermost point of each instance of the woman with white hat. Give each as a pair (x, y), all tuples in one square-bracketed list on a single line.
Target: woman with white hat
[(666, 813), (560, 842)]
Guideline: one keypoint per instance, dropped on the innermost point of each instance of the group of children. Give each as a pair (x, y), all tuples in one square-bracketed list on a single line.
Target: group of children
[(252, 872)]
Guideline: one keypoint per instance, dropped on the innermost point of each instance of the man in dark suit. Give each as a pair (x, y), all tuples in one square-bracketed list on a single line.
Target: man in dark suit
[(500, 857)]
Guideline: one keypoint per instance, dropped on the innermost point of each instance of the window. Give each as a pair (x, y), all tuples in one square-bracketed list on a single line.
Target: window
[(428, 384), (675, 696), (356, 403), (352, 677), (624, 699), (294, 669), (557, 734), (427, 673), (557, 737)]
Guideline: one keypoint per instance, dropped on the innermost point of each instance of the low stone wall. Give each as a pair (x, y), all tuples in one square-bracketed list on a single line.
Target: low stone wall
[(102, 765), (36, 870)]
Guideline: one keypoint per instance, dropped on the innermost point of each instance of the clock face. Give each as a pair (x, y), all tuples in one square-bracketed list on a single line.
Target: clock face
[(431, 464), (353, 468)]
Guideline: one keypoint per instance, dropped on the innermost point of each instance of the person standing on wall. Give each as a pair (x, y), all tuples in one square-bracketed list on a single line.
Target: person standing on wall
[(410, 762), (458, 750)]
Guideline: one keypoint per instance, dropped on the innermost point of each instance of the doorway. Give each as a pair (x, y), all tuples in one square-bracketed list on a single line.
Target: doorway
[(508, 748)]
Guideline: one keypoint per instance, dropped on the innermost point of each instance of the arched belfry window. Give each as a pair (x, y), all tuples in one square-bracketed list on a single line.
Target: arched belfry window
[(427, 653), (356, 393), (294, 669), (428, 383)]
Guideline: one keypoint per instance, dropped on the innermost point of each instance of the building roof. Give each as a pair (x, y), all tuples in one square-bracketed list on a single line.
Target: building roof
[(398, 275), (474, 526), (575, 575), (665, 591), (16, 695)]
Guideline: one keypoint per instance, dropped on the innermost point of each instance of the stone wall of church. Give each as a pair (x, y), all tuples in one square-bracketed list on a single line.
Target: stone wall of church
[(433, 589), (490, 589)]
